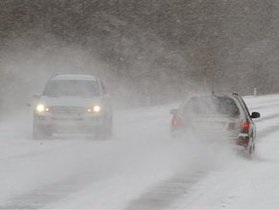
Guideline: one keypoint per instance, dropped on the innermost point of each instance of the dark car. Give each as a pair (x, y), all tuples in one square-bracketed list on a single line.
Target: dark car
[(72, 103), (216, 114)]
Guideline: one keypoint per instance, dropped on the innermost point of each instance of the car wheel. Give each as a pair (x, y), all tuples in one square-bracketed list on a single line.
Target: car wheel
[(40, 133), (251, 148), (105, 132)]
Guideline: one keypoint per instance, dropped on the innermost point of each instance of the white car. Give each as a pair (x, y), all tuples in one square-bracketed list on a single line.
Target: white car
[(72, 103)]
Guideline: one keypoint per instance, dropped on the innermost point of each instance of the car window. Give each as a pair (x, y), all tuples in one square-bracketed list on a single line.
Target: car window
[(82, 88), (242, 102), (228, 106), (210, 106)]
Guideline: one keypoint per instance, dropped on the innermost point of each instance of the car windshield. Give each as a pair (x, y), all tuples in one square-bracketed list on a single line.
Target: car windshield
[(212, 106), (81, 88)]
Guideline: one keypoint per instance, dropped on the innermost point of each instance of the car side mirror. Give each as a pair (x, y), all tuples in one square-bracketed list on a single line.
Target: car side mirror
[(255, 115), (173, 111)]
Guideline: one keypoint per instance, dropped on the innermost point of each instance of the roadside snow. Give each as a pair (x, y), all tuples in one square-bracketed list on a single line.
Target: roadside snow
[(136, 164)]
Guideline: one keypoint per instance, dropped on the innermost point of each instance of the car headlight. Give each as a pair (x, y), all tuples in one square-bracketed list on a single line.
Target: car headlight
[(95, 108), (41, 108)]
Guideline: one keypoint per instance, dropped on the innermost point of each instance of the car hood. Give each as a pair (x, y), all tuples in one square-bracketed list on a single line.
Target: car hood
[(70, 101)]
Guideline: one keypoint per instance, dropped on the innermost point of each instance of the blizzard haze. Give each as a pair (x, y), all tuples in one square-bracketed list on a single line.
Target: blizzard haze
[(80, 172), (151, 55), (136, 168)]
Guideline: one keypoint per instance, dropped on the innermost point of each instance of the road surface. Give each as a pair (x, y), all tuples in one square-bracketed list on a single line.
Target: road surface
[(141, 167)]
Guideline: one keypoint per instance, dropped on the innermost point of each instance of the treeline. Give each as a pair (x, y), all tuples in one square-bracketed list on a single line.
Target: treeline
[(156, 50)]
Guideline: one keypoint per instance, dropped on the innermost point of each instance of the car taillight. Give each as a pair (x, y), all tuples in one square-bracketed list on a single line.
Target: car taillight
[(176, 122), (245, 127)]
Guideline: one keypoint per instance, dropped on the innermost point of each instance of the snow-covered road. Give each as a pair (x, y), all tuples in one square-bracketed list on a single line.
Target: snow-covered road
[(140, 168)]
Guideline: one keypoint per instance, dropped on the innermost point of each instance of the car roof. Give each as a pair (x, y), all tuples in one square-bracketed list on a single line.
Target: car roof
[(207, 96), (228, 95), (222, 95), (74, 77)]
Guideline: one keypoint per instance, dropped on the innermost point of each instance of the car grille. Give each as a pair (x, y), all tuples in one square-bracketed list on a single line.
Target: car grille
[(66, 110)]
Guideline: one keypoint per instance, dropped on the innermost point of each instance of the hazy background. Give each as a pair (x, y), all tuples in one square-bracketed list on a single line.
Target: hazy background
[(147, 51)]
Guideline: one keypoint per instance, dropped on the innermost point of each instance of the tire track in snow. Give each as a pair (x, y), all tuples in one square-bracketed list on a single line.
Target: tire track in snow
[(164, 194), (40, 197), (159, 197), (46, 194)]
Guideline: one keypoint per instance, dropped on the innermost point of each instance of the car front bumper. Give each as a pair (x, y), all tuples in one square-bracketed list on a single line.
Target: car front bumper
[(70, 123)]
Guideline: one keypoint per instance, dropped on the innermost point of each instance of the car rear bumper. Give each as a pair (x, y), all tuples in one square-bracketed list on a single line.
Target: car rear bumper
[(243, 140)]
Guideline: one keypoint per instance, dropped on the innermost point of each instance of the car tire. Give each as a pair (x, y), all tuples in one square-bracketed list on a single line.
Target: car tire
[(251, 148), (39, 133), (105, 132)]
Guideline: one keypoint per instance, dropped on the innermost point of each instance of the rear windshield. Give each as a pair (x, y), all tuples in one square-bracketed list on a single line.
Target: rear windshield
[(211, 105), (80, 88)]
